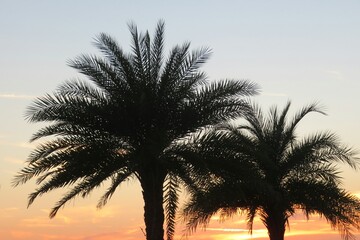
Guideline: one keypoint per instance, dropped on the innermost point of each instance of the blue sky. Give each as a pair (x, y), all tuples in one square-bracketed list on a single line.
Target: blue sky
[(303, 51)]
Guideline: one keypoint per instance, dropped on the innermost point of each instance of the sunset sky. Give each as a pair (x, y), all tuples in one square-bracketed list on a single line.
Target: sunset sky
[(303, 51)]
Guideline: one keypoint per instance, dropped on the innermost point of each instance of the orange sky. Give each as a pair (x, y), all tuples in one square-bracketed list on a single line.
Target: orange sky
[(84, 223), (122, 219)]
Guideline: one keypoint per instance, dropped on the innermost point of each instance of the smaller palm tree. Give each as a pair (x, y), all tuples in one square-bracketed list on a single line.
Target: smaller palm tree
[(266, 170)]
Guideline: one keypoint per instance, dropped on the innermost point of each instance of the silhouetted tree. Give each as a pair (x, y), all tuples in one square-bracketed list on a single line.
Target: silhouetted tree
[(268, 171), (123, 120)]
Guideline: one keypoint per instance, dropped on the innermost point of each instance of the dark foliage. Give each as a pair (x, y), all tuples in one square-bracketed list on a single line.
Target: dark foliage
[(266, 170), (122, 121)]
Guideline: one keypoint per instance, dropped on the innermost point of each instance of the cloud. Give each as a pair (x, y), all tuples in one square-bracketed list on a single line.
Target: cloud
[(270, 94), (228, 235), (8, 212), (103, 236), (336, 75), (90, 213), (300, 228), (87, 214), (18, 234), (40, 222), (130, 234), (14, 161), (16, 96), (26, 145), (236, 230)]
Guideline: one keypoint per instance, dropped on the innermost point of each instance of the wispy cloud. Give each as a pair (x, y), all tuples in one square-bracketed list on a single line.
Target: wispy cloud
[(26, 145), (14, 161), (8, 211), (271, 94), (43, 222), (336, 75), (18, 234), (16, 96), (204, 235), (103, 236), (301, 228), (236, 230)]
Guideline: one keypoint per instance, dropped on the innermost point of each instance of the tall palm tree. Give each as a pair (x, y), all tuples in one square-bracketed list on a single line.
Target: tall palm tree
[(267, 170), (123, 120)]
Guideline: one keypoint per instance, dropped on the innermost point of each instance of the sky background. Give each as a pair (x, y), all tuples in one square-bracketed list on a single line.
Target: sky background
[(303, 51)]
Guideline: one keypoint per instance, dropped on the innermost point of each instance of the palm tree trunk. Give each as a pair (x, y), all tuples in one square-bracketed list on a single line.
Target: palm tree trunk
[(275, 224), (152, 190), (276, 232)]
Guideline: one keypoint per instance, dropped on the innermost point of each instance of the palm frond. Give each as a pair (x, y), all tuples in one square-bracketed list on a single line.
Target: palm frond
[(255, 122), (59, 107), (172, 68), (157, 51), (103, 74), (218, 102), (250, 216), (338, 207), (171, 200), (195, 214), (115, 55), (91, 175), (116, 180), (81, 88), (320, 148), (139, 48), (90, 182), (289, 131), (193, 62)]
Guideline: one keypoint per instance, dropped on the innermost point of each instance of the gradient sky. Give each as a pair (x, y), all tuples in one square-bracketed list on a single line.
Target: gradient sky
[(303, 51)]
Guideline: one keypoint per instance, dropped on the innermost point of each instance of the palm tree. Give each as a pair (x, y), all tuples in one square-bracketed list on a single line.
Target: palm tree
[(123, 120), (268, 171)]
